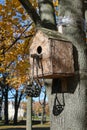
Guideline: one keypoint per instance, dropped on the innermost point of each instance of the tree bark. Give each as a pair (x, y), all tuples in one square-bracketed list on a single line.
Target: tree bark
[(74, 116)]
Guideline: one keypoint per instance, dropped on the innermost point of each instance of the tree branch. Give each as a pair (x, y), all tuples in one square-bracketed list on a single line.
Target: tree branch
[(31, 11), (14, 42)]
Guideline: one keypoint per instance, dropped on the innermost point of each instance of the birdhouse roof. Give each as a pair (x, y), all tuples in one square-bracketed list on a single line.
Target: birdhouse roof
[(51, 34)]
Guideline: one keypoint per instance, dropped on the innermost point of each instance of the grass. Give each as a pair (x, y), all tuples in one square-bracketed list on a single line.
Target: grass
[(22, 126)]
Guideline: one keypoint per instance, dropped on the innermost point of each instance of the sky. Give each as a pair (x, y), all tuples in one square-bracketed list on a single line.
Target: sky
[(2, 1)]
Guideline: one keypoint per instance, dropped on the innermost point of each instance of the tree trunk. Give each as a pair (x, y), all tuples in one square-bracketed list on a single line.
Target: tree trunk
[(18, 98), (0, 104), (43, 105), (47, 15), (43, 115), (16, 108), (74, 116), (6, 105), (29, 114), (16, 115)]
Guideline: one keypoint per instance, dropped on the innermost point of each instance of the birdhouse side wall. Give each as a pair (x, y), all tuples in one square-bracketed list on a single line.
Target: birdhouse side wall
[(62, 58)]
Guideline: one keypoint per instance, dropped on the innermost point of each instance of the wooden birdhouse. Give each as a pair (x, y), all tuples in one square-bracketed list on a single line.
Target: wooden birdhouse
[(51, 55)]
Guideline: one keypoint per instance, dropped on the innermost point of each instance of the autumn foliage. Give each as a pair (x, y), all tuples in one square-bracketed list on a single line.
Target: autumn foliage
[(16, 31)]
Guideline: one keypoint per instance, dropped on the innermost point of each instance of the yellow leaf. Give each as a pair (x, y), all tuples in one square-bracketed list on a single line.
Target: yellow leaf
[(23, 17), (2, 70), (0, 7)]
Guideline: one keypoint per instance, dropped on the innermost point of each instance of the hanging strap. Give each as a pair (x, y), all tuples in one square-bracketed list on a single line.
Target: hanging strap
[(58, 107), (57, 102), (37, 59)]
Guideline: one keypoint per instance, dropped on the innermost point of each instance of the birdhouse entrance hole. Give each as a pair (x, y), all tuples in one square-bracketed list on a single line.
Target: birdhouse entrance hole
[(39, 49)]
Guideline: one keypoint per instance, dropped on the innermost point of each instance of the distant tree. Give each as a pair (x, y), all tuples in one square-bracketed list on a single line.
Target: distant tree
[(18, 96), (43, 105), (5, 89), (0, 102)]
